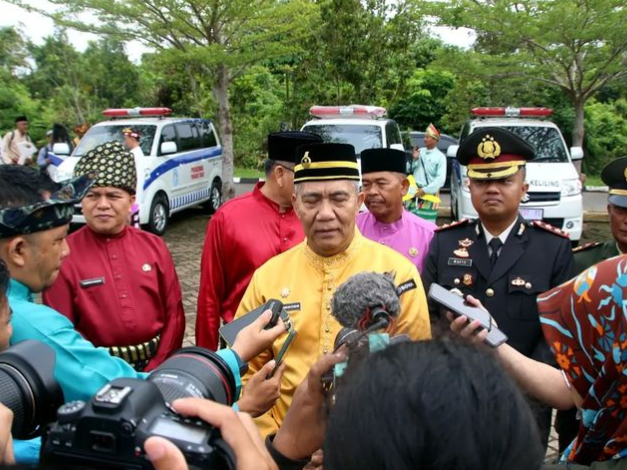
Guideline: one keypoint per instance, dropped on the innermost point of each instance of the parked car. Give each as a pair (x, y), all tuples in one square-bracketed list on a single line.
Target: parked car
[(181, 167), (554, 194)]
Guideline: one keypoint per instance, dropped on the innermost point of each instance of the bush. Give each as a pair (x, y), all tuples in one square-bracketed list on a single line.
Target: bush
[(606, 134)]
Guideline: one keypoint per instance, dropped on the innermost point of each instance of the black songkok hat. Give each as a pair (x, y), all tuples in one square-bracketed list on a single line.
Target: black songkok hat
[(615, 176), (493, 153), (324, 162), (373, 160), (282, 145), (55, 211), (113, 166)]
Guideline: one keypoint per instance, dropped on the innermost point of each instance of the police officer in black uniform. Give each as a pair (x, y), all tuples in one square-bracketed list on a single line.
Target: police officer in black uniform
[(502, 259)]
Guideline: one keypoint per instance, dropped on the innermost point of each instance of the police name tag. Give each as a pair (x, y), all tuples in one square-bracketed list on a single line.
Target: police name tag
[(92, 282), (292, 306), (464, 262)]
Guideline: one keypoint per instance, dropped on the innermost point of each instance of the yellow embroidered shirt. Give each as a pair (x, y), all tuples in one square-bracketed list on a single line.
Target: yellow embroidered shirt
[(305, 283)]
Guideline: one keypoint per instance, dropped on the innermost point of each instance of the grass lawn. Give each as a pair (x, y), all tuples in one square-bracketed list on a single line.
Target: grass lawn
[(240, 172), (592, 180)]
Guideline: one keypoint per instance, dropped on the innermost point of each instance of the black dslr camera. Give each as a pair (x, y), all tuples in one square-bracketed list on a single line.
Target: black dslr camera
[(109, 430)]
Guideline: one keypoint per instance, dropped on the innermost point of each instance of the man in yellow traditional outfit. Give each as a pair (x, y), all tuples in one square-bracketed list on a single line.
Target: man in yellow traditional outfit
[(326, 200)]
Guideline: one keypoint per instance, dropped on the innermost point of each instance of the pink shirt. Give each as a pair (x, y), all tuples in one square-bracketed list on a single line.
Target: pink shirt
[(410, 235)]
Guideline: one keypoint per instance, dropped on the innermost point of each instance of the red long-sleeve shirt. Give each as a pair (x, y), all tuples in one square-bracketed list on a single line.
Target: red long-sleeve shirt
[(121, 290), (242, 235)]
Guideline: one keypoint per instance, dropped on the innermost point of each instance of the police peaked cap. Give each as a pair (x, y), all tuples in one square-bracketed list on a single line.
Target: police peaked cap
[(614, 175), (373, 160), (492, 153)]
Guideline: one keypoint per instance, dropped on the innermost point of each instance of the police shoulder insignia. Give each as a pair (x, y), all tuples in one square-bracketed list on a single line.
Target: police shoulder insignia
[(587, 246), (549, 228), (459, 223)]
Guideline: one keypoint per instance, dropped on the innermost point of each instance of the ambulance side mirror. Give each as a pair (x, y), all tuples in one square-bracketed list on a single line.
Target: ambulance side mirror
[(168, 148), (576, 153), (61, 149)]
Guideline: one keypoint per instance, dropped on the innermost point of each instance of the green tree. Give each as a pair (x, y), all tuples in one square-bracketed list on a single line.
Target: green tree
[(218, 39), (111, 78), (60, 76), (364, 49), (607, 133), (578, 46), (424, 99)]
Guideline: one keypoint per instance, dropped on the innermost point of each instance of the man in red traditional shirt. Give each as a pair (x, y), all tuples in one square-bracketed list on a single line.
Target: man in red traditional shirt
[(119, 286), (245, 233)]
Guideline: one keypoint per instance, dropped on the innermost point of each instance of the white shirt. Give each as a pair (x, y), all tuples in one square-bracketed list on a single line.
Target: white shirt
[(503, 236)]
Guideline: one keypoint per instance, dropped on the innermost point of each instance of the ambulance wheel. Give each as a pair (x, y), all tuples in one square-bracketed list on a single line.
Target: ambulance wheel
[(159, 211), (215, 197)]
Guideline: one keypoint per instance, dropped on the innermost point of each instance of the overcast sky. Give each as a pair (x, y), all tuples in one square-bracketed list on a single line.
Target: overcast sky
[(37, 27)]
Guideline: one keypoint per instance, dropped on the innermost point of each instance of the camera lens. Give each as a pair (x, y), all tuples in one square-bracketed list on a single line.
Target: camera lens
[(28, 387), (195, 372)]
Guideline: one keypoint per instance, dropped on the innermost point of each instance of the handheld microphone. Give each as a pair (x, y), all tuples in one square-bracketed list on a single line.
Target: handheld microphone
[(366, 302)]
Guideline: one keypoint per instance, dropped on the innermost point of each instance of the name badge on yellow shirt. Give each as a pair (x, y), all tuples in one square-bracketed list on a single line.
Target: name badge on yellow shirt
[(405, 286), (291, 307)]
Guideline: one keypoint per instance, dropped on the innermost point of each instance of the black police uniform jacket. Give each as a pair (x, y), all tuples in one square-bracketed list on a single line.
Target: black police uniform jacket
[(535, 258)]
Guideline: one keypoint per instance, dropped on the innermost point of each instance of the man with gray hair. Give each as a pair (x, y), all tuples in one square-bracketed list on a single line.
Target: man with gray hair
[(305, 278)]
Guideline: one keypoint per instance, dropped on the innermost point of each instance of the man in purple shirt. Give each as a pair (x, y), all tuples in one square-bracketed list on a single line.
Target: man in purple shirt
[(387, 222)]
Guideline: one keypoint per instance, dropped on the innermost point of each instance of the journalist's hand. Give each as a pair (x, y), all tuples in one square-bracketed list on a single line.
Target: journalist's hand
[(473, 330), (238, 430), (260, 394), (6, 441), (253, 339), (302, 431), (316, 462)]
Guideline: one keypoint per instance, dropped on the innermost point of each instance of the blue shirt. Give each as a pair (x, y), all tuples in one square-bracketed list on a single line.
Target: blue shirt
[(80, 368), (429, 170)]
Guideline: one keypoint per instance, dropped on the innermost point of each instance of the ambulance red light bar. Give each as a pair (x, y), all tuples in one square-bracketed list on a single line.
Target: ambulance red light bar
[(512, 112), (354, 110), (136, 112)]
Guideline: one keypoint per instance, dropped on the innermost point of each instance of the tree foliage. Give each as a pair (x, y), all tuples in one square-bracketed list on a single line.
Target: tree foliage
[(578, 46)]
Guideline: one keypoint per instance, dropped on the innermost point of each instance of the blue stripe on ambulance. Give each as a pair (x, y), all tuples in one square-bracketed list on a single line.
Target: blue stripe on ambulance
[(175, 162), (190, 198)]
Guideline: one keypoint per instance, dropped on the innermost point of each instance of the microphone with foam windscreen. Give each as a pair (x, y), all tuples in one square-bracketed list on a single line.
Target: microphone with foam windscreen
[(366, 301)]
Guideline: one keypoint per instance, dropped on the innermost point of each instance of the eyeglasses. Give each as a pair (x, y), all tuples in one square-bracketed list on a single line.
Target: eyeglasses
[(286, 167)]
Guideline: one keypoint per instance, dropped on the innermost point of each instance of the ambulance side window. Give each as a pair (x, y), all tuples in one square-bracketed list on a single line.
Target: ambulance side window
[(207, 135), (188, 137), (168, 134)]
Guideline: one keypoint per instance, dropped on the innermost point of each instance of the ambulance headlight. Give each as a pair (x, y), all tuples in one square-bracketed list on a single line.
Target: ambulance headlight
[(571, 187)]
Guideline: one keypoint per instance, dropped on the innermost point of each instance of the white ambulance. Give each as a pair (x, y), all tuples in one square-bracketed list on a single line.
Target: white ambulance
[(554, 185), (364, 127), (181, 166)]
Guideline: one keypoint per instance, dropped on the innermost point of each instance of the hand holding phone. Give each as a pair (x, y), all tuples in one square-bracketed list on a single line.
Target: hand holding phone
[(229, 331), (282, 352), (458, 307)]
